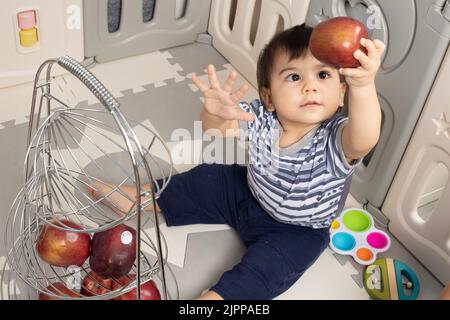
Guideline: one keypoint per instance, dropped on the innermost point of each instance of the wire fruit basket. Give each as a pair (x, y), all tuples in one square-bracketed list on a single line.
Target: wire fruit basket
[(68, 235)]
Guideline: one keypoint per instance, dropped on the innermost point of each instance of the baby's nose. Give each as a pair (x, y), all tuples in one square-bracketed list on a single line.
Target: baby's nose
[(310, 87)]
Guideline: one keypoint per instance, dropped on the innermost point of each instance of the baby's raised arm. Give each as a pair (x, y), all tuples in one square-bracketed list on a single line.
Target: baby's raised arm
[(220, 110), (364, 124)]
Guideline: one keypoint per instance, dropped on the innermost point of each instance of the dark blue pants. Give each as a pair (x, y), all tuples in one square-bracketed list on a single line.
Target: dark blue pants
[(277, 253)]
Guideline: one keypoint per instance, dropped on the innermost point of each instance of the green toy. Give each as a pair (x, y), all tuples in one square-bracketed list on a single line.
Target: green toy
[(391, 279)]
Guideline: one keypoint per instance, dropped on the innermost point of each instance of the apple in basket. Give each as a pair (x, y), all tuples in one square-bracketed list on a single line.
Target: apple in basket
[(63, 248), (94, 285), (60, 290), (113, 251), (334, 41), (149, 291)]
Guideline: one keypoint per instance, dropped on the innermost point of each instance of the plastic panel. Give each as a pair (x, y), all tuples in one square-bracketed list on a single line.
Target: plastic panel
[(235, 43), (168, 27), (430, 145), (59, 32)]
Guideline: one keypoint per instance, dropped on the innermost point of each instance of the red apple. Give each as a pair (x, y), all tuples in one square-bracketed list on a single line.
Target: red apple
[(334, 41), (58, 289), (149, 291), (63, 248), (94, 285), (113, 252)]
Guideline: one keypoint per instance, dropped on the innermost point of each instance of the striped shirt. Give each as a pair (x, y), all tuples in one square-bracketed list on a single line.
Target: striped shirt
[(304, 184)]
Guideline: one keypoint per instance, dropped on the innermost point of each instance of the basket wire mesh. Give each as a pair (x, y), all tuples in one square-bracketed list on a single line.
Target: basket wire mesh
[(79, 161)]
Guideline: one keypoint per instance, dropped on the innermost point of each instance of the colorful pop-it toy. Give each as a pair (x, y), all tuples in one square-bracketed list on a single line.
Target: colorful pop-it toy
[(354, 233)]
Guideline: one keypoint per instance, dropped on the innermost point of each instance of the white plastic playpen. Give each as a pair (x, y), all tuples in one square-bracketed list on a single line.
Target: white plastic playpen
[(408, 170)]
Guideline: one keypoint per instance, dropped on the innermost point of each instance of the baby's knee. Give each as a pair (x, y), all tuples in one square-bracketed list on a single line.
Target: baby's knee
[(258, 277), (271, 266)]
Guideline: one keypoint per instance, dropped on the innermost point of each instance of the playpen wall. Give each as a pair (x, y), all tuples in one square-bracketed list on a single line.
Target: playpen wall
[(54, 28), (240, 29), (119, 29), (427, 235)]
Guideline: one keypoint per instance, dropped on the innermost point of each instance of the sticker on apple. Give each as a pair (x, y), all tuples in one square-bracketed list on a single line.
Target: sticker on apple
[(126, 237)]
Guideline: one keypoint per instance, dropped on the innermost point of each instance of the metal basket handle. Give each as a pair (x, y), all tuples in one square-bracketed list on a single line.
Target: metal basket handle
[(91, 82)]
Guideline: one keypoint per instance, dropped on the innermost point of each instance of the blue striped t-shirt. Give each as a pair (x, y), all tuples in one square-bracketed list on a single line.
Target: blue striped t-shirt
[(304, 184)]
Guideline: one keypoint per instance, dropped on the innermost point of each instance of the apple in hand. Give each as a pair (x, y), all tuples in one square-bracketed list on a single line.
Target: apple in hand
[(113, 252), (149, 291), (94, 285), (62, 248), (58, 289), (334, 41)]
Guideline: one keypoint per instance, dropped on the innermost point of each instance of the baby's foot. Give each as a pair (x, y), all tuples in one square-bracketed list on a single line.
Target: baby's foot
[(119, 199)]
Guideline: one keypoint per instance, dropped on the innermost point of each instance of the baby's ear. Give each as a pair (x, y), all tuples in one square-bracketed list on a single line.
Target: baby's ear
[(265, 96)]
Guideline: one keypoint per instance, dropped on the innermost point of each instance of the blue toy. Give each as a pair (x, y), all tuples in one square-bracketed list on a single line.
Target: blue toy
[(391, 279)]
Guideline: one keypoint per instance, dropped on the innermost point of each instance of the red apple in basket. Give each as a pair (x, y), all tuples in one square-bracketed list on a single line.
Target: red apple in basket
[(149, 291), (94, 285), (334, 41), (113, 252), (62, 248), (60, 290)]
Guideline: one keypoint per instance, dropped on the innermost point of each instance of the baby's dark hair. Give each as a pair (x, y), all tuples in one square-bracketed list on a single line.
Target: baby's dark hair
[(293, 41)]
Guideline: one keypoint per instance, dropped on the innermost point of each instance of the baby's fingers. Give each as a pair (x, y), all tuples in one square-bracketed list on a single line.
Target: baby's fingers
[(238, 95), (352, 72), (199, 83), (243, 116), (213, 81), (379, 45), (374, 48), (228, 87), (363, 59), (235, 113)]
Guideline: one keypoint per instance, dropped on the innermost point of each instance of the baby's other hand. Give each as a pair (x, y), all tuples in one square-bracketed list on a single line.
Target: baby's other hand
[(365, 74), (220, 100)]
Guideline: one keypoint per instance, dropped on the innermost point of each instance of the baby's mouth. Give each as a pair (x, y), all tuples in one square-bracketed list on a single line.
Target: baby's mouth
[(310, 103)]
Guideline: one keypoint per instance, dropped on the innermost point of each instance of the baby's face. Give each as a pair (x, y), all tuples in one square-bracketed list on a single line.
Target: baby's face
[(304, 91)]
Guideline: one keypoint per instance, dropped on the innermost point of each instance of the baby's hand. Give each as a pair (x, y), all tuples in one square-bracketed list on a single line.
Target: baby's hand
[(370, 63), (222, 102)]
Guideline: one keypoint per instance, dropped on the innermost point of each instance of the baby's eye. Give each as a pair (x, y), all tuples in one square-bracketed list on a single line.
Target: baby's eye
[(324, 74), (293, 77)]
